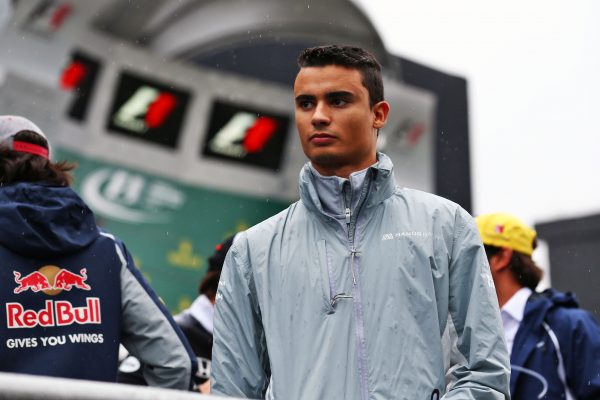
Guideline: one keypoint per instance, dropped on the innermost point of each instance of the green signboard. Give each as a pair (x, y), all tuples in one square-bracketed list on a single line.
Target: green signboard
[(170, 228)]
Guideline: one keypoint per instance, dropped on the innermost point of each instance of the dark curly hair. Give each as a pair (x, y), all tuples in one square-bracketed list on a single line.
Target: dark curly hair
[(16, 166), (522, 266)]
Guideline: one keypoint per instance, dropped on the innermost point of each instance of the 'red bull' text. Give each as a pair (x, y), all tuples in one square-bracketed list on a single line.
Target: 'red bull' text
[(55, 313)]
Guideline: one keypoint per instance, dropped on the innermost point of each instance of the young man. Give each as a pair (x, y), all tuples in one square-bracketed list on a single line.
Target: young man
[(360, 290), (70, 292), (554, 346)]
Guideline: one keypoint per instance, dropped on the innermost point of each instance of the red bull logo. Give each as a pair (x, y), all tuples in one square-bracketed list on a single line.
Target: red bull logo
[(55, 313), (66, 280), (51, 280), (35, 281)]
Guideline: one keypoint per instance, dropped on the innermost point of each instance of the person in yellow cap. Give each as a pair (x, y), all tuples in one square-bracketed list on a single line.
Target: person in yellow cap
[(554, 346)]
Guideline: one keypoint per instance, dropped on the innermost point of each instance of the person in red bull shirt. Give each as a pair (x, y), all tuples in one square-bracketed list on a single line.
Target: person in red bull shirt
[(70, 291)]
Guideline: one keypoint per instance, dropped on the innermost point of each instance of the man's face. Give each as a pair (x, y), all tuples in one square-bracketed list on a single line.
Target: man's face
[(337, 127)]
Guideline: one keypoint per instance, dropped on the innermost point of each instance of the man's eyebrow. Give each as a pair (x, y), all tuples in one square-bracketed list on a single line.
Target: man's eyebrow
[(304, 97), (341, 93)]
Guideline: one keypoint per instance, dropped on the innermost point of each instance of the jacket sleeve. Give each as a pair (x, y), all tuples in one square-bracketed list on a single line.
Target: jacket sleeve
[(149, 332), (582, 355), (240, 363), (482, 369)]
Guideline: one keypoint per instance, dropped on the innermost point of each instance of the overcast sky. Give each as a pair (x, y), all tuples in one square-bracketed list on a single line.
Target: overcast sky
[(533, 70)]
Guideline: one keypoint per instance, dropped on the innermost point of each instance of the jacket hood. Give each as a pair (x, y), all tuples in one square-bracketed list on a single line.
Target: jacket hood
[(560, 299), (540, 304), (380, 175), (39, 220)]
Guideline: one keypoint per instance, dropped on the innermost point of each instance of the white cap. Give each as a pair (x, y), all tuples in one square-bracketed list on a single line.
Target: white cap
[(10, 125)]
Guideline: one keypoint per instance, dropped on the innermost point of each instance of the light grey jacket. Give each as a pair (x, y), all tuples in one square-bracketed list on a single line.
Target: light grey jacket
[(387, 297)]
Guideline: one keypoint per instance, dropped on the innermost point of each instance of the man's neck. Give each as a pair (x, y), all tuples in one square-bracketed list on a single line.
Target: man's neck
[(342, 171), (506, 291)]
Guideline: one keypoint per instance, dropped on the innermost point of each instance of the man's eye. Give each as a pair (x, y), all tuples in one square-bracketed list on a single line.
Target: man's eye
[(305, 105), (339, 102)]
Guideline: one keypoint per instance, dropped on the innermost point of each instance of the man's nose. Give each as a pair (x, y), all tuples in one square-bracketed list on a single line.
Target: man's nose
[(321, 115)]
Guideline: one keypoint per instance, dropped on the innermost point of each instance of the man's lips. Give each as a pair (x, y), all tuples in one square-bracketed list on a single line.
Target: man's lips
[(321, 138)]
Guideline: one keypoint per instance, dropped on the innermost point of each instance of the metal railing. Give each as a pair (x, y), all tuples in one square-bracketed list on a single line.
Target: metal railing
[(31, 387)]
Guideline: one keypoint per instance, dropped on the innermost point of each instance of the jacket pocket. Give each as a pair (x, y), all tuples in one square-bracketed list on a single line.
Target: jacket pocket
[(327, 281)]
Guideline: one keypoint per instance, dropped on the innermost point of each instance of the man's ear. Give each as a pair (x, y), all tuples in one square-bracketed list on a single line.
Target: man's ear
[(380, 114), (501, 260)]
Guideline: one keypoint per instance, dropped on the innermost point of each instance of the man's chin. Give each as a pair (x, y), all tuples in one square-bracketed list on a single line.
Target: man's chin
[(326, 159)]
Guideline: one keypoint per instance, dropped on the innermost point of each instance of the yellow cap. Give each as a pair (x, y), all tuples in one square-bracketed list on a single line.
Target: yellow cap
[(505, 230)]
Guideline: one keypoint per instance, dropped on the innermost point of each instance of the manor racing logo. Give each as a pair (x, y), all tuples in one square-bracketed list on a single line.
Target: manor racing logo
[(51, 280)]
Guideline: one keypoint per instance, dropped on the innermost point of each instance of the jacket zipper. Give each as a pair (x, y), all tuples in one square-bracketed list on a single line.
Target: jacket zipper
[(351, 219), (351, 241)]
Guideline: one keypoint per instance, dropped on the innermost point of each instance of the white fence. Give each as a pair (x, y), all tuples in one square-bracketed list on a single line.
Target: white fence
[(30, 387)]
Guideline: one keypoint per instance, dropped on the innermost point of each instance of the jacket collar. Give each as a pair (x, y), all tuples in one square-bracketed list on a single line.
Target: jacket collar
[(529, 334), (515, 306), (379, 176)]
